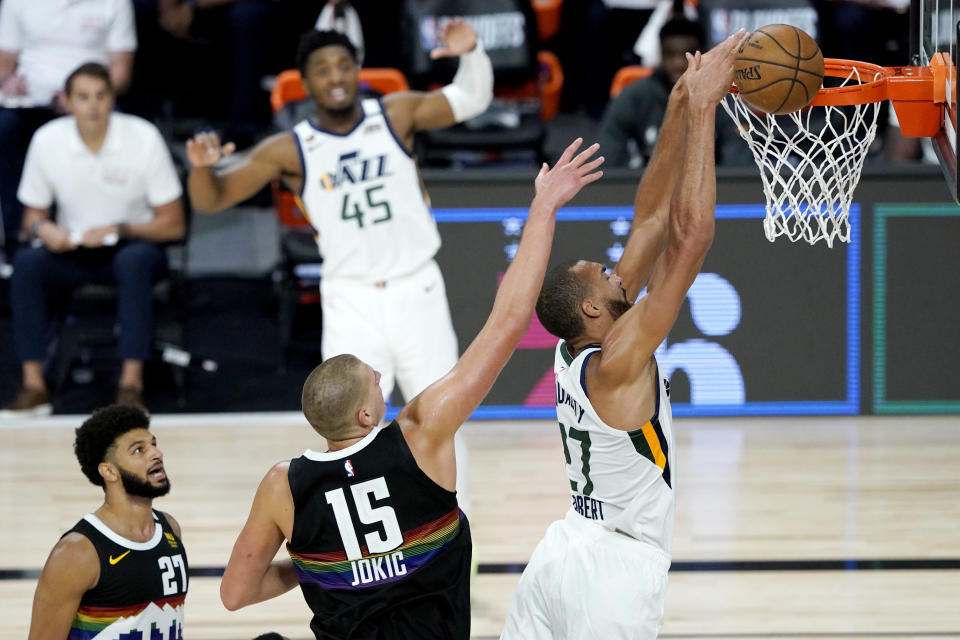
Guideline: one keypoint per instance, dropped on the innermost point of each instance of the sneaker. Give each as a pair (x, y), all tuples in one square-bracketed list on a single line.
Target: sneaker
[(28, 403), (131, 397)]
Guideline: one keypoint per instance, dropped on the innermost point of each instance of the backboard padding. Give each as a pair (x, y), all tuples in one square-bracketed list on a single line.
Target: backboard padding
[(936, 28)]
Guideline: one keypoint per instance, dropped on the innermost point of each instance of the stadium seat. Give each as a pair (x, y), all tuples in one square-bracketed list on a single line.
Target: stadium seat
[(626, 75)]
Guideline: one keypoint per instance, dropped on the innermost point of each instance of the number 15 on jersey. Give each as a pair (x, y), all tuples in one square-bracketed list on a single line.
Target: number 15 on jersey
[(379, 568)]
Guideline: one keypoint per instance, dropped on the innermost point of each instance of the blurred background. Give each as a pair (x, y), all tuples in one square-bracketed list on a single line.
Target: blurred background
[(767, 329)]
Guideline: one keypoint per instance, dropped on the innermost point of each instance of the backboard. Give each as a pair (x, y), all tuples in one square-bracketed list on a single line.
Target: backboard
[(934, 28)]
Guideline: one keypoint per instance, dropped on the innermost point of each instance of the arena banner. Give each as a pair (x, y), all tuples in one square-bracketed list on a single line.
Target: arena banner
[(766, 329), (721, 18), (915, 306)]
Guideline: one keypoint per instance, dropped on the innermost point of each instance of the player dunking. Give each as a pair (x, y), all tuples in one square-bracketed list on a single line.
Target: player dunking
[(382, 294), (377, 541), (121, 571), (601, 572)]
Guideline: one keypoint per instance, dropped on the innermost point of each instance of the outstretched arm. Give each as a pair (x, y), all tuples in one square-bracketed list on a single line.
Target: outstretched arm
[(651, 206), (468, 95), (433, 417), (252, 575), (635, 336), (212, 191)]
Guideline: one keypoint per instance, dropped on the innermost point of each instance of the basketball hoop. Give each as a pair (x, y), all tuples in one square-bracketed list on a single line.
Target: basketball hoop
[(810, 160)]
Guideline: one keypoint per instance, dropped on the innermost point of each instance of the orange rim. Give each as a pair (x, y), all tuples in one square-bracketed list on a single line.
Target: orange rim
[(872, 87), (877, 83)]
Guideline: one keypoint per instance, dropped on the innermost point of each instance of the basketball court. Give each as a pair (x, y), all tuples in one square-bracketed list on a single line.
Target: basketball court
[(792, 527)]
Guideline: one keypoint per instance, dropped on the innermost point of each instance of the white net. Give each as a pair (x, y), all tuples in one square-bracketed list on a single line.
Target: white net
[(810, 162)]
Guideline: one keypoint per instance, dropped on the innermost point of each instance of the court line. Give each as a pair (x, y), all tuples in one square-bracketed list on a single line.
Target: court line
[(716, 566), (238, 419), (817, 634), (796, 634), (680, 566), (802, 634)]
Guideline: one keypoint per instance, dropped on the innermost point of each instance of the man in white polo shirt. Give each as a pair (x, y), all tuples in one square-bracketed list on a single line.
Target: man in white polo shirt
[(117, 196), (40, 44)]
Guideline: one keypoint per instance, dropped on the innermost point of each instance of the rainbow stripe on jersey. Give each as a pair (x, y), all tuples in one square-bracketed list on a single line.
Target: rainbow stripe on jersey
[(420, 546), (165, 616)]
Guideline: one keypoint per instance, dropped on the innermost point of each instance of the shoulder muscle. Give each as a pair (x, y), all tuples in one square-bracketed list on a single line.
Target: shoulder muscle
[(173, 523), (73, 564)]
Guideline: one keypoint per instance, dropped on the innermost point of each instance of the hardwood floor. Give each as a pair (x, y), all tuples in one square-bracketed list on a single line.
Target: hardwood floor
[(786, 492)]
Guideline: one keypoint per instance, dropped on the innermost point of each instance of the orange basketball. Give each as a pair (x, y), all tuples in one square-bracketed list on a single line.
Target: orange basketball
[(779, 69)]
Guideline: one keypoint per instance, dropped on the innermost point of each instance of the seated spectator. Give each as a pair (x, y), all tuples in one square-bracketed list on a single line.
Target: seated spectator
[(630, 127), (596, 38), (117, 197), (40, 44)]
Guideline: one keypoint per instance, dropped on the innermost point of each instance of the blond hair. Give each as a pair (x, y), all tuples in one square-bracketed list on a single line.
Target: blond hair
[(332, 395)]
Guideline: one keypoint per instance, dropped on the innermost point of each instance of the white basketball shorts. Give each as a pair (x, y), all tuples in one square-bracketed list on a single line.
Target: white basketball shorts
[(401, 328), (585, 582)]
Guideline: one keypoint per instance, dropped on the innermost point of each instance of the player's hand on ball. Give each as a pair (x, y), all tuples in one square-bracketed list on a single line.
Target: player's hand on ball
[(709, 75), (205, 150), (557, 186)]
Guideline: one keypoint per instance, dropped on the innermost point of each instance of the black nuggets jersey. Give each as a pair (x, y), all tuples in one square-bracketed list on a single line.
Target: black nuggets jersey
[(141, 588), (380, 550)]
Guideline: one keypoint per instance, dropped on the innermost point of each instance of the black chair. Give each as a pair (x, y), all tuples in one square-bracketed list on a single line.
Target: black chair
[(298, 282), (87, 323)]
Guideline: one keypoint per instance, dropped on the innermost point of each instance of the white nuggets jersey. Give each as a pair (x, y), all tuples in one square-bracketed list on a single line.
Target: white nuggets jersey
[(362, 193), (623, 480)]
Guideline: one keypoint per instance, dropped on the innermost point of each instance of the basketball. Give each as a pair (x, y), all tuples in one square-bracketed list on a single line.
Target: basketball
[(779, 69)]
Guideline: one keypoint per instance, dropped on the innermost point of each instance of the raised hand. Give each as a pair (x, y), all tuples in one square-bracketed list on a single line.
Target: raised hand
[(457, 37), (557, 186), (710, 75), (205, 150)]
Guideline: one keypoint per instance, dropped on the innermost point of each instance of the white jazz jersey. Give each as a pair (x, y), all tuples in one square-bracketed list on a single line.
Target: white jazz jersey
[(622, 480), (363, 194)]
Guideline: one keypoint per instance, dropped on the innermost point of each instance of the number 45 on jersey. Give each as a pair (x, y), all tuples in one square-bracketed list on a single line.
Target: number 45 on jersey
[(363, 212)]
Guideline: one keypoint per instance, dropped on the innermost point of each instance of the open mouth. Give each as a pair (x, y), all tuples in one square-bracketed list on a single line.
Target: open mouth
[(337, 95), (156, 473)]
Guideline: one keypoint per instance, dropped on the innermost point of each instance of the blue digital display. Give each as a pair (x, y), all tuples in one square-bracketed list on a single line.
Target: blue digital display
[(717, 385)]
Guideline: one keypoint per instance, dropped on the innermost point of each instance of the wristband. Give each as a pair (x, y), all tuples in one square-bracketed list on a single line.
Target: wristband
[(471, 90)]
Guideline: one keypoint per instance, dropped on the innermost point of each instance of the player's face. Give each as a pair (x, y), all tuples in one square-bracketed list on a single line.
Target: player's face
[(673, 57), (90, 100), (608, 286), (331, 78), (140, 464)]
